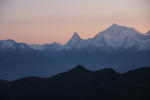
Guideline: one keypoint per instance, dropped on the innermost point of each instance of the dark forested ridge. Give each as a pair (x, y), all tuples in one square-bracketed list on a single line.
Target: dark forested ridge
[(80, 83)]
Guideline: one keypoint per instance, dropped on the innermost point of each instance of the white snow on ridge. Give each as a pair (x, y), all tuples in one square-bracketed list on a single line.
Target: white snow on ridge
[(115, 37), (75, 42), (120, 36), (37, 47), (148, 33)]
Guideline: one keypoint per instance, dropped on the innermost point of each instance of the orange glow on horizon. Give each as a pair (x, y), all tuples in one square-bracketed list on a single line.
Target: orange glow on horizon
[(47, 21)]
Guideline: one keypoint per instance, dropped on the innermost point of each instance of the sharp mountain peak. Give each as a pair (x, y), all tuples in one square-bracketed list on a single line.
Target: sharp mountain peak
[(76, 35), (79, 68)]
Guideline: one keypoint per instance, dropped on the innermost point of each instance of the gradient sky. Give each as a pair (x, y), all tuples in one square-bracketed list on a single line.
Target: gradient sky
[(47, 21)]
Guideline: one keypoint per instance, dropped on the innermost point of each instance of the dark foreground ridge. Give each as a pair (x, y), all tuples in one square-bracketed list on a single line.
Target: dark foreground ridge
[(81, 84)]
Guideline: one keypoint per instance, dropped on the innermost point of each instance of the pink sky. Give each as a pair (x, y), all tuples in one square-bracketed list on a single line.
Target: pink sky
[(47, 21)]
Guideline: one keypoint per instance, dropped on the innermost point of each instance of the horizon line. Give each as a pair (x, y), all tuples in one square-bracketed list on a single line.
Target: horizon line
[(78, 34)]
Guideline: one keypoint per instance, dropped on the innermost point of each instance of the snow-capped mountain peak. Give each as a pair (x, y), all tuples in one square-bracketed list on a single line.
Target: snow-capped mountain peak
[(74, 41), (148, 33), (13, 45), (115, 26), (118, 36), (75, 36), (7, 43), (117, 30)]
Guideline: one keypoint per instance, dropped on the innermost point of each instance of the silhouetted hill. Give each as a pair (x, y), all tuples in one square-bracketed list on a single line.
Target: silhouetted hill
[(79, 69), (80, 83)]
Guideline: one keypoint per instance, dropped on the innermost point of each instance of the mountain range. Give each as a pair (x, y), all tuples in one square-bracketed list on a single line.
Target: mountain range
[(114, 37), (80, 83), (118, 47)]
